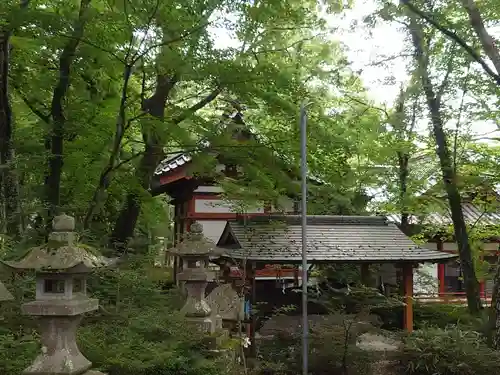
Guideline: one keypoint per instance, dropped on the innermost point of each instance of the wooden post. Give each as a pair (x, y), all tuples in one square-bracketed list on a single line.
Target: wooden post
[(482, 290), (442, 285), (253, 345), (481, 282), (408, 296), (296, 276), (441, 273)]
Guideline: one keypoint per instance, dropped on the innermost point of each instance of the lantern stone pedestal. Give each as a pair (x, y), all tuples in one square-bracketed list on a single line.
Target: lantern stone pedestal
[(58, 322), (61, 268), (196, 309)]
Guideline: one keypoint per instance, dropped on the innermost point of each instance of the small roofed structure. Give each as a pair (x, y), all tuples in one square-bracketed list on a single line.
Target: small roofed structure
[(61, 268), (330, 239), (195, 252)]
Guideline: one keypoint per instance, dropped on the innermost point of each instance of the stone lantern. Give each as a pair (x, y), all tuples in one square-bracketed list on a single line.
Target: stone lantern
[(195, 252), (61, 269)]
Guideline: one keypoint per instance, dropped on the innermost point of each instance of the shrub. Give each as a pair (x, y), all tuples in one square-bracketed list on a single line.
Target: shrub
[(450, 351), (331, 351), (428, 314)]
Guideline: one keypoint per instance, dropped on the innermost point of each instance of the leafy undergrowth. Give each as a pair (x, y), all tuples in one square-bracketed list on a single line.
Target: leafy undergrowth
[(137, 330), (426, 315), (332, 350), (450, 351)]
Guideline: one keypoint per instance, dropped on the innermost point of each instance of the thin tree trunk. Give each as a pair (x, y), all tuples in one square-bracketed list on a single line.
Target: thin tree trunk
[(104, 178), (448, 172), (404, 136), (403, 160), (55, 141), (9, 189), (8, 183)]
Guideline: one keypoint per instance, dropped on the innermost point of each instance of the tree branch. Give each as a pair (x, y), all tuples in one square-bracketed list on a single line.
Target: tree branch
[(456, 38), (31, 105), (94, 45), (202, 103), (449, 68), (170, 41), (484, 37)]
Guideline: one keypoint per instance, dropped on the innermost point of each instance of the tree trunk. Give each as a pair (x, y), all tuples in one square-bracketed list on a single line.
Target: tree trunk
[(403, 160), (153, 153), (55, 141), (129, 214), (404, 132), (447, 170), (455, 202), (9, 192), (494, 313)]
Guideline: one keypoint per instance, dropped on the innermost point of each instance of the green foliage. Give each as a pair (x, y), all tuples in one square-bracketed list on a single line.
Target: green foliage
[(280, 356), (450, 351), (16, 353), (429, 315)]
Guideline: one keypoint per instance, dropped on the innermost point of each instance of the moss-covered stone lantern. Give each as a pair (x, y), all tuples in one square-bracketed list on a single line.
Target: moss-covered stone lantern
[(61, 268), (195, 252)]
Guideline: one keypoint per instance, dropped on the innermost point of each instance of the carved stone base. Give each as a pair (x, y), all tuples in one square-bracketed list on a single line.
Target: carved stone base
[(206, 325), (60, 354), (216, 340)]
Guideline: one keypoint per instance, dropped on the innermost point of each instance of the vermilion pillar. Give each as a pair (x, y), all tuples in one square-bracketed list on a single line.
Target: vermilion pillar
[(408, 296), (441, 272), (442, 286), (481, 289)]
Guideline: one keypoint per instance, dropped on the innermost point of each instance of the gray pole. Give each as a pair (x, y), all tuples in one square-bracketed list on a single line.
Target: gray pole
[(303, 164)]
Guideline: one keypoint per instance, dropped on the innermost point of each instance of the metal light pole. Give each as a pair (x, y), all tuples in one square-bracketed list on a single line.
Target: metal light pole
[(303, 164)]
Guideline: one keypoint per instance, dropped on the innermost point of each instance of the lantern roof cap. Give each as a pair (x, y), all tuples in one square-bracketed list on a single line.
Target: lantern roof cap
[(5, 295), (196, 244), (60, 253)]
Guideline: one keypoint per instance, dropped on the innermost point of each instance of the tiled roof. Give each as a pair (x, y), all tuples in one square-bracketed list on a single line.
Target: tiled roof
[(472, 215), (329, 238), (166, 165)]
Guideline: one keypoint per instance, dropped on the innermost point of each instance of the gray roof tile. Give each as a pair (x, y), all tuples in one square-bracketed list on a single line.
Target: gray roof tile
[(330, 238)]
